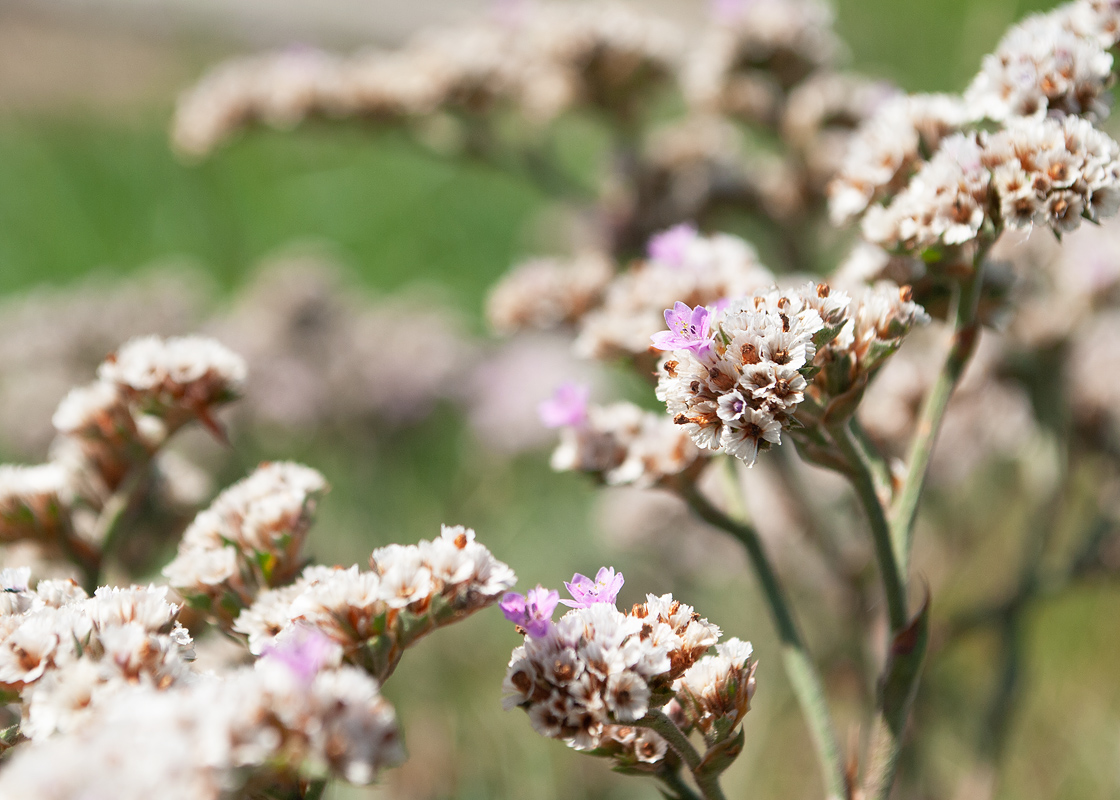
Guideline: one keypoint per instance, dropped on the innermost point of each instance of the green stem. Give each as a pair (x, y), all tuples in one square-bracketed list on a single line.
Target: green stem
[(315, 790), (966, 332), (707, 783), (802, 673), (860, 474), (675, 783)]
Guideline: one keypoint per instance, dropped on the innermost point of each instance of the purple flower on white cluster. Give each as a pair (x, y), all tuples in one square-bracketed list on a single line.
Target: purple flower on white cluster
[(671, 246), (586, 592), (305, 651), (567, 408), (689, 328), (532, 611)]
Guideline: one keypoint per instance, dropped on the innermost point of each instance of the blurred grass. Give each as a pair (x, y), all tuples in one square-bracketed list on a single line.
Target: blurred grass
[(81, 192)]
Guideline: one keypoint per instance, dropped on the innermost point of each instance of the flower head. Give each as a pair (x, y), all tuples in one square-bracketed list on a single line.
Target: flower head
[(671, 246), (532, 611), (567, 408), (689, 328), (586, 592)]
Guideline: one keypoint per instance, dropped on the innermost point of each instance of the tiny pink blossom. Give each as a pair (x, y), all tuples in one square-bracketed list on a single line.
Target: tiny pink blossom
[(689, 328), (304, 652), (586, 592), (567, 408), (671, 246), (532, 611)]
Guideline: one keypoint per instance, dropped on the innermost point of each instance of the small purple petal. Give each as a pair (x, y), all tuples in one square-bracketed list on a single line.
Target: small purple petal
[(689, 328), (533, 612), (671, 246), (567, 408), (304, 652), (586, 592)]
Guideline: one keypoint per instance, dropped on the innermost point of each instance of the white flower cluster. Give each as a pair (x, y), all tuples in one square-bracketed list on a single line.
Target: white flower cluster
[(762, 48), (625, 444), (946, 202), (32, 501), (1041, 66), (64, 652), (888, 147), (145, 392), (706, 270), (175, 378), (1040, 171), (553, 58), (208, 739), (548, 293), (878, 320), (375, 615), (251, 538), (597, 668), (716, 691), (736, 391), (1094, 19)]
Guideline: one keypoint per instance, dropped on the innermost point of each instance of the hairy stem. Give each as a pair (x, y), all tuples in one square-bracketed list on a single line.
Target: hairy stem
[(861, 475), (802, 673), (966, 332)]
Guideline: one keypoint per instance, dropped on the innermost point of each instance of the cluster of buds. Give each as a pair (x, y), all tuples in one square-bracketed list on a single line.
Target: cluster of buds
[(250, 539), (887, 148), (620, 443), (1042, 66), (63, 653), (112, 428), (1036, 171), (543, 61), (591, 678), (739, 376), (735, 376), (548, 293), (260, 729), (375, 615)]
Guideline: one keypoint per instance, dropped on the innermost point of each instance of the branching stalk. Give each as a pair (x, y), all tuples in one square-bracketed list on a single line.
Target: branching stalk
[(966, 333), (802, 673), (861, 475)]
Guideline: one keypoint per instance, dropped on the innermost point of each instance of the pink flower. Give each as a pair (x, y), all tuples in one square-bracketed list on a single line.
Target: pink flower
[(305, 652), (586, 592), (533, 611), (689, 328), (671, 246), (567, 408)]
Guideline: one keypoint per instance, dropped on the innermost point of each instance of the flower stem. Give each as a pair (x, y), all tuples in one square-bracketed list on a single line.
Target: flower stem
[(966, 332), (708, 783), (675, 784), (861, 475), (801, 671)]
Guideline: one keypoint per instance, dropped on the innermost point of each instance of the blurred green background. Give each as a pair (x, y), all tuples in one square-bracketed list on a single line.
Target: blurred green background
[(88, 184)]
